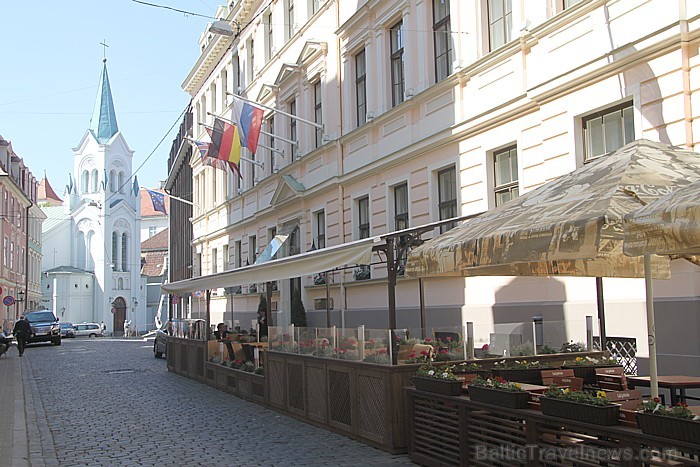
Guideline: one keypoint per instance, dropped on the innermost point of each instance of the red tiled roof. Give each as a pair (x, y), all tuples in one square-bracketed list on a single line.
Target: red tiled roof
[(157, 242), (153, 263), (147, 205)]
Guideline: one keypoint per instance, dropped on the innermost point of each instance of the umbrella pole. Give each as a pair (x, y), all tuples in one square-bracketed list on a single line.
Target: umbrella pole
[(651, 328), (601, 313)]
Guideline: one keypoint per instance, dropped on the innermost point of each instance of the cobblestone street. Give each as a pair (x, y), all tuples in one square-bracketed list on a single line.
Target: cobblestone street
[(110, 402)]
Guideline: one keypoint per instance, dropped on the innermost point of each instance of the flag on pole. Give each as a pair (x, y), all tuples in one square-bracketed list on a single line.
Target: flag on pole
[(248, 118), (225, 143), (158, 200)]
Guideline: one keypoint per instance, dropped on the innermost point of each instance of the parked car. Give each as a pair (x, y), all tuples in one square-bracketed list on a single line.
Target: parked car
[(45, 327), (67, 330), (184, 328), (88, 329)]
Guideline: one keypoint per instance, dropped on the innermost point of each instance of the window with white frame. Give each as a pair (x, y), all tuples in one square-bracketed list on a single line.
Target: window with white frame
[(292, 127), (252, 249), (397, 63), (226, 259), (236, 72), (361, 87), (12, 256), (363, 229), (442, 36), (4, 252), (401, 206), (318, 113), (500, 19), (152, 231), (213, 98), (314, 6), (214, 260), (238, 256), (505, 175), (568, 3), (608, 130), (289, 20), (320, 229), (115, 250), (447, 196), (269, 37), (271, 143), (251, 60), (224, 88)]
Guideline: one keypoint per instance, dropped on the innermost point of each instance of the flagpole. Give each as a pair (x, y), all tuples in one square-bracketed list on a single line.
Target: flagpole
[(294, 143), (270, 149), (178, 199), (272, 109), (258, 163)]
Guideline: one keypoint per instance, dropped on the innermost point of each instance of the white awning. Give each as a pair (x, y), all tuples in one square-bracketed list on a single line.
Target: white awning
[(305, 264)]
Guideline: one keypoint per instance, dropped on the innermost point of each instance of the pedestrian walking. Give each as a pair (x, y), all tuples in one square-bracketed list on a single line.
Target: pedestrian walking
[(22, 331)]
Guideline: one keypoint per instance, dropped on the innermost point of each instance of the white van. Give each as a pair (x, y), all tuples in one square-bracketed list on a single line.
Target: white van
[(88, 329)]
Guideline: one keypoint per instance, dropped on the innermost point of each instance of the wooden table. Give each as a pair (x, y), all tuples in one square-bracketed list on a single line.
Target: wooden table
[(675, 384)]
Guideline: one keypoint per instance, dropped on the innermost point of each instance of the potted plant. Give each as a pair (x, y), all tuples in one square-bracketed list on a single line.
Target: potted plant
[(584, 367), (582, 406), (675, 422), (441, 380), (498, 391), (522, 371), (380, 357)]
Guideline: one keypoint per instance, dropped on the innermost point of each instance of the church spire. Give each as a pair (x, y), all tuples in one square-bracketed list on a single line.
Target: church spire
[(104, 120)]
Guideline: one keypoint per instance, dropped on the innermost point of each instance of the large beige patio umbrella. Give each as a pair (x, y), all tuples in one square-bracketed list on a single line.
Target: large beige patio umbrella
[(570, 226), (667, 226)]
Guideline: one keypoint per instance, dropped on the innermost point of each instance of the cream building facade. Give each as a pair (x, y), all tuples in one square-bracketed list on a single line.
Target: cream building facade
[(433, 109)]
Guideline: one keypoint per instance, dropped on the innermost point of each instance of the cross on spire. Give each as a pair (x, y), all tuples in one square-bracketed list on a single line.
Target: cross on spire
[(104, 49)]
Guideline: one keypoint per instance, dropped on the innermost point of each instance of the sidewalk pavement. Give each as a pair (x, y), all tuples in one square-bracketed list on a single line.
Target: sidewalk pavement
[(14, 449)]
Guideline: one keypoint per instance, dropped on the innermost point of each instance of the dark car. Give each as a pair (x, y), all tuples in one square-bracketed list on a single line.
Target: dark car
[(45, 327), (67, 330)]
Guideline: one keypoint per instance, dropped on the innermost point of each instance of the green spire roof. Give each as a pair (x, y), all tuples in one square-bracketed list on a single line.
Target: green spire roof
[(104, 120)]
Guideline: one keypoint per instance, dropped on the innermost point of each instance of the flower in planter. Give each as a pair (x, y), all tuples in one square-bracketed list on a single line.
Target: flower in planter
[(590, 361), (496, 383), (572, 347), (465, 367), (599, 398), (445, 373), (381, 357), (423, 356), (516, 365), (679, 410)]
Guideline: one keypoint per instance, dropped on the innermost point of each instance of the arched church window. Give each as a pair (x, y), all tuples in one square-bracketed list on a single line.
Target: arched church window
[(115, 250), (122, 180), (113, 181), (84, 178), (94, 182), (120, 284), (125, 256)]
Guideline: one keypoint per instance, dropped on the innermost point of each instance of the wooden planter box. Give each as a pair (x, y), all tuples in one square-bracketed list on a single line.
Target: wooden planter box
[(598, 415), (587, 372), (446, 388), (510, 399), (520, 375), (669, 427)]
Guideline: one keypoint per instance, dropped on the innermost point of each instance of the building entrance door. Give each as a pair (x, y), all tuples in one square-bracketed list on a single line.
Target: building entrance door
[(119, 316)]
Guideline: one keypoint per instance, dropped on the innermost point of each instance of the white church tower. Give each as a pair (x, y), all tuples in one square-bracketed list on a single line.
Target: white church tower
[(103, 213)]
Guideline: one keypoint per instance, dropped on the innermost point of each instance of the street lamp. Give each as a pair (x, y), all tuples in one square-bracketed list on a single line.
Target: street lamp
[(20, 296)]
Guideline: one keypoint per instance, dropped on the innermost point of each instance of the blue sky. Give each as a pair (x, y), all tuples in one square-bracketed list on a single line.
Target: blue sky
[(51, 63)]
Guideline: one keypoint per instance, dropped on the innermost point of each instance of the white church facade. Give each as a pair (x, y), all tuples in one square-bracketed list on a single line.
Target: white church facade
[(92, 255)]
